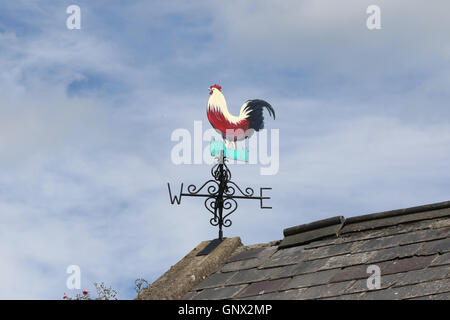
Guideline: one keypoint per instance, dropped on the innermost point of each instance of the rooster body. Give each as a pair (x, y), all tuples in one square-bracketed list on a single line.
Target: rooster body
[(235, 128)]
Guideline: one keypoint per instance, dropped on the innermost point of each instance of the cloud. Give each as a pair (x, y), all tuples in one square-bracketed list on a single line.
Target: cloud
[(328, 30), (86, 118)]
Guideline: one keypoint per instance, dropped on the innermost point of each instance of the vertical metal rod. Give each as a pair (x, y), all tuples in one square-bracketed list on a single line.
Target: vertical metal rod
[(219, 199)]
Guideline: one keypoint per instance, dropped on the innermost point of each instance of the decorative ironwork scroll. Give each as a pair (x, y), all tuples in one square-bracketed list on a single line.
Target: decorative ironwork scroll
[(220, 195)]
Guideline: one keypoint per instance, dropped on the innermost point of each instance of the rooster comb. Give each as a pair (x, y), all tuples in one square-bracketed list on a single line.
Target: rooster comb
[(217, 87)]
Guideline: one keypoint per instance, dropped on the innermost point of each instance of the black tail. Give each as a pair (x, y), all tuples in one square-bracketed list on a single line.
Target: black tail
[(256, 117)]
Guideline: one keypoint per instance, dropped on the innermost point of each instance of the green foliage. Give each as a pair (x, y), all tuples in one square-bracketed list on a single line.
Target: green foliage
[(140, 285), (104, 293)]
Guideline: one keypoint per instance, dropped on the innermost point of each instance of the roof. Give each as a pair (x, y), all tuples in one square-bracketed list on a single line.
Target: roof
[(329, 259), (193, 268)]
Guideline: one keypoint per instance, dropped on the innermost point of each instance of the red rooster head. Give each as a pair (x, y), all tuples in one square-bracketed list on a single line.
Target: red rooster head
[(216, 86)]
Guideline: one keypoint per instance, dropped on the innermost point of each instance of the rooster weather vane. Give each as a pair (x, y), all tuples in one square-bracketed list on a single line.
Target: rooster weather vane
[(221, 192)]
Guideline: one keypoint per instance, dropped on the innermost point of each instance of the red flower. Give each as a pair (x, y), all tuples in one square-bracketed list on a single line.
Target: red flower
[(85, 292)]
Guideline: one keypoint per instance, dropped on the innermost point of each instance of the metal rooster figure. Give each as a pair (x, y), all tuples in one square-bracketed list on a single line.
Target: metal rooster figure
[(232, 128), (221, 191)]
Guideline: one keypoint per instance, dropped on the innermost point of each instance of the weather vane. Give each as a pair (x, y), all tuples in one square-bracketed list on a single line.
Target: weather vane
[(221, 192)]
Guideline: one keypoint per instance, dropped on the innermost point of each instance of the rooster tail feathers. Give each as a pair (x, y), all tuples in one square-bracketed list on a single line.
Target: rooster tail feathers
[(254, 113)]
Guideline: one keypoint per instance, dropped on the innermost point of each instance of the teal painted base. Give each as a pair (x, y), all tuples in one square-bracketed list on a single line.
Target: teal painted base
[(235, 154)]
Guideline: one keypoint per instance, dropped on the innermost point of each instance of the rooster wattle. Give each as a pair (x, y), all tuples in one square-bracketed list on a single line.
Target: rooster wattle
[(234, 128)]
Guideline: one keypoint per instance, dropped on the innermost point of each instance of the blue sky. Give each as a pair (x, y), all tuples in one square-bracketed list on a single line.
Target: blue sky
[(86, 118)]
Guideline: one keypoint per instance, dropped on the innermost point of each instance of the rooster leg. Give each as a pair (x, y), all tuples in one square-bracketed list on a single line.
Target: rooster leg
[(227, 143)]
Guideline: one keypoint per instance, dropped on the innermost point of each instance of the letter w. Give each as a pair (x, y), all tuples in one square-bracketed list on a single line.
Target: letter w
[(175, 198)]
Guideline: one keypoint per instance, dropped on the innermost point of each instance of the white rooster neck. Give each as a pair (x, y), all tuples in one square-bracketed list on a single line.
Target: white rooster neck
[(217, 102)]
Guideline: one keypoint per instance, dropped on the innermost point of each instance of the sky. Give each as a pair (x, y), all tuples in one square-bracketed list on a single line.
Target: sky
[(86, 118)]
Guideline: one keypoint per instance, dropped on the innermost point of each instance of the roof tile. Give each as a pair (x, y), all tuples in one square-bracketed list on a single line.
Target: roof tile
[(304, 234), (278, 295), (219, 293), (404, 265), (401, 212), (388, 241), (441, 223), (347, 260), (247, 254), (352, 296), (285, 257), (353, 237), (361, 284), (417, 276), (259, 288), (321, 243), (189, 296), (301, 268), (250, 275), (250, 260), (437, 246), (386, 294), (310, 279), (441, 259), (241, 265), (392, 220), (439, 296), (395, 253), (314, 225), (329, 251), (324, 291), (424, 235), (376, 244), (262, 252), (350, 273), (423, 289), (217, 279)]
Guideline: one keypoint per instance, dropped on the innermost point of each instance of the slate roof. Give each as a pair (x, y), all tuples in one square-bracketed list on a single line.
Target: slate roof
[(328, 259)]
